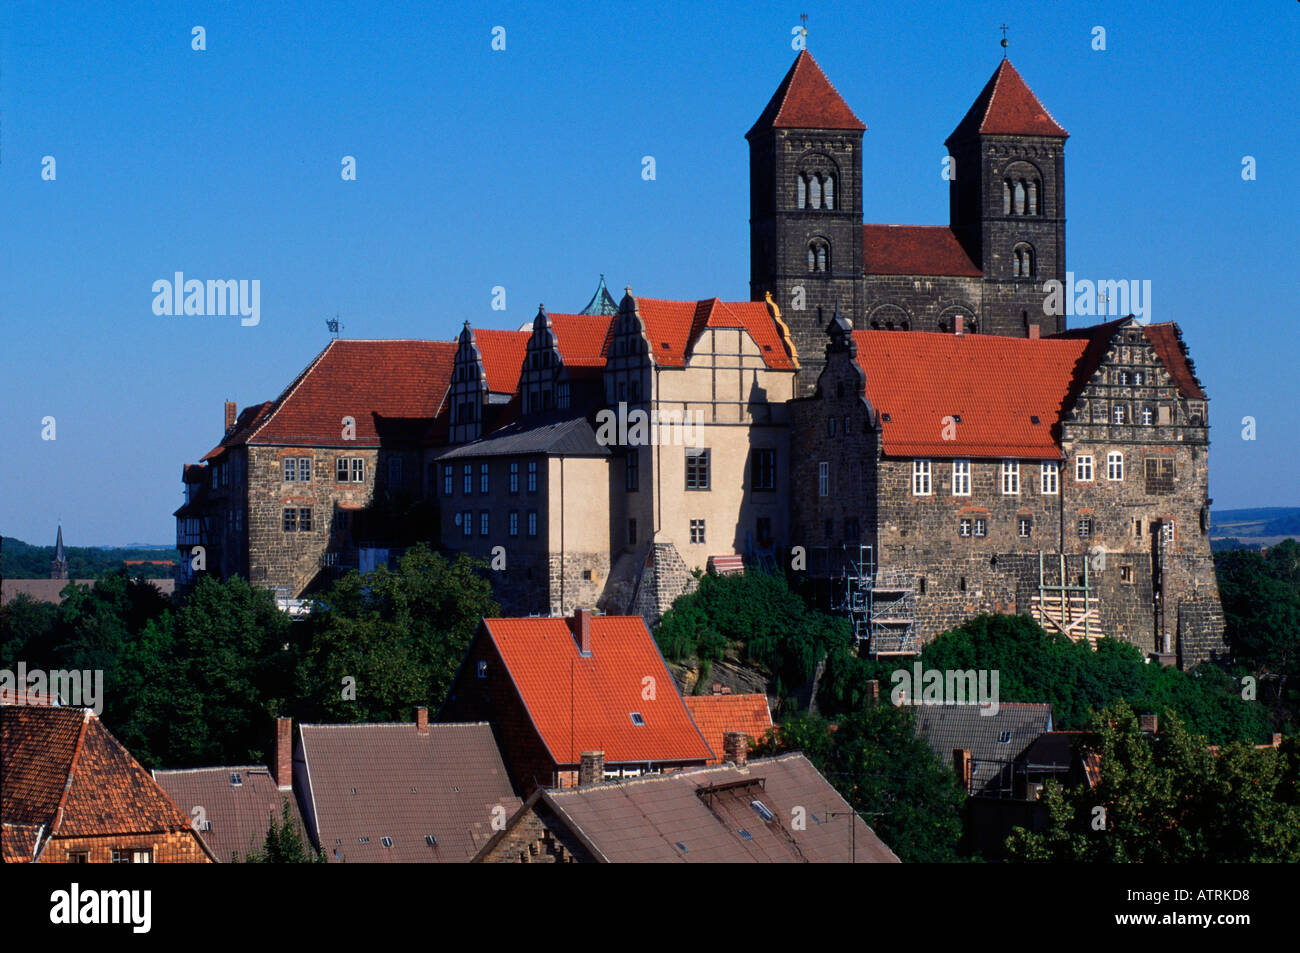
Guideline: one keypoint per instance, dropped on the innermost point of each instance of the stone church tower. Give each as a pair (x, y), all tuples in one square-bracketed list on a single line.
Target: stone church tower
[(59, 564), (985, 270)]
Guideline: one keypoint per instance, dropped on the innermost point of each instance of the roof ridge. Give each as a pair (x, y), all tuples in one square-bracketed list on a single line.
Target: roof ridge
[(57, 821), (289, 391)]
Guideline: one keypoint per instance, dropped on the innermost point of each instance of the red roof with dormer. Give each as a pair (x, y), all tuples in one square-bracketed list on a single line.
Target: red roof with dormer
[(1007, 107), (806, 100), (673, 327), (915, 250), (579, 703)]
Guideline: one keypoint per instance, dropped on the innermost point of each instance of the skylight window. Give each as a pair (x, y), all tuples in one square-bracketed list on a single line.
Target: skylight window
[(431, 840), (363, 840), (745, 835), (884, 418), (637, 719), (386, 841), (682, 847), (236, 780), (1033, 419), (761, 810), (1004, 738)]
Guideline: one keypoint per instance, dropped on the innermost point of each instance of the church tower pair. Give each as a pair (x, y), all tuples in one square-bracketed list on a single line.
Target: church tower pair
[(1005, 238)]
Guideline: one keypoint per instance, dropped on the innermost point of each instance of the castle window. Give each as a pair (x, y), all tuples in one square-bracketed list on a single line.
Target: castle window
[(1167, 531), (697, 531), (981, 528), (1023, 526), (514, 522), (631, 532), (1006, 196), (532, 522), (1117, 415), (697, 469), (358, 470), (447, 479), (532, 476), (290, 519), (562, 395), (963, 528), (1085, 527), (484, 522), (818, 256), (290, 470), (920, 477), (514, 476), (961, 478), (812, 265), (1125, 573), (828, 192), (1050, 479), (763, 469), (1123, 377), (1022, 262), (1083, 468), (395, 471), (1033, 197), (1159, 475), (1010, 477), (1137, 378), (632, 470), (1147, 416), (823, 479), (814, 191), (467, 482), (467, 522), (1115, 466), (830, 426), (483, 478), (802, 188), (1019, 189)]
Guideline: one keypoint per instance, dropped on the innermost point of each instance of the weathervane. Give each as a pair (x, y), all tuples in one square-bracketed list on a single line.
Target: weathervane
[(1005, 44), (333, 324), (803, 18)]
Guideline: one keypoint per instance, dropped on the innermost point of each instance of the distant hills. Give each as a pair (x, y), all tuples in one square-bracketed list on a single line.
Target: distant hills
[(1252, 528), (19, 560)]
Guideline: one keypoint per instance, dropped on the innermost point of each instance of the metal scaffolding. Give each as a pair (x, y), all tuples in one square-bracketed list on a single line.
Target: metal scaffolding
[(881, 605)]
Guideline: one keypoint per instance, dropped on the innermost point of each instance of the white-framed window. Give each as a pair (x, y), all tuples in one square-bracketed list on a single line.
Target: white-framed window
[(1147, 417), (963, 527), (961, 478), (1115, 466), (358, 470), (290, 469), (697, 468), (1167, 531), (1117, 415), (304, 469), (1049, 479), (1024, 525), (823, 479), (1083, 468), (1010, 477), (921, 478), (981, 526)]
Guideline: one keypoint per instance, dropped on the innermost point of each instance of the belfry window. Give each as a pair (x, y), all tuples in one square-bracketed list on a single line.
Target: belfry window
[(1033, 198), (818, 256), (802, 188), (828, 192), (1020, 196), (814, 192), (1006, 196)]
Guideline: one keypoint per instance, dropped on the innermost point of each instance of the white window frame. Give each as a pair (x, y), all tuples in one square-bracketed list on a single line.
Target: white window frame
[(1024, 527), (1010, 478), (964, 527), (1115, 466), (961, 478), (290, 469), (1117, 415), (1083, 468), (1049, 479), (922, 484), (981, 526)]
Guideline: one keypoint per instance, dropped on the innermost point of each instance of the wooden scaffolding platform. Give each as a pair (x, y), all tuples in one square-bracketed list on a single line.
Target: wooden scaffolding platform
[(1059, 606)]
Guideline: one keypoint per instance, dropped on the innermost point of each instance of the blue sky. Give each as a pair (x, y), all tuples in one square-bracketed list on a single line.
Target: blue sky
[(522, 168)]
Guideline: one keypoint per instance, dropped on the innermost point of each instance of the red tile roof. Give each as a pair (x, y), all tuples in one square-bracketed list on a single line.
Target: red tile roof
[(915, 250), (806, 100), (583, 339), (995, 384), (248, 418), (503, 355), (673, 327), (579, 704), (1168, 344), (1007, 107), (63, 769), (364, 380), (715, 715)]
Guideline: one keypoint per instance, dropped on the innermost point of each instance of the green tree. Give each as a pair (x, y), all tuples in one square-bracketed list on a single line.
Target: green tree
[(285, 843)]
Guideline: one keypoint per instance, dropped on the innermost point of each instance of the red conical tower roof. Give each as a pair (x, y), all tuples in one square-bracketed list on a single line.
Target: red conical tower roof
[(806, 100), (1007, 107)]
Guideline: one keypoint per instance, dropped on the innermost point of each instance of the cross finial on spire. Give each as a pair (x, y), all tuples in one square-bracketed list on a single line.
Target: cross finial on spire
[(1005, 43)]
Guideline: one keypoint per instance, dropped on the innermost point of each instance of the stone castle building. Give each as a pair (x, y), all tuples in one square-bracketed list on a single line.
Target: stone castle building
[(987, 459)]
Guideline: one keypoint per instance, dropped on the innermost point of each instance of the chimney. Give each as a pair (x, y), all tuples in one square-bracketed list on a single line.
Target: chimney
[(1150, 724), (963, 765), (591, 770), (284, 753), (422, 720), (581, 626), (873, 691), (230, 416), (1035, 332), (735, 748), (958, 325)]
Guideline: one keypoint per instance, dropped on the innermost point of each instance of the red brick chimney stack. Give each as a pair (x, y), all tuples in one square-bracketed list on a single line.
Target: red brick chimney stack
[(1035, 332), (284, 753), (964, 766), (230, 416), (591, 769), (735, 748), (581, 626), (422, 720), (958, 325)]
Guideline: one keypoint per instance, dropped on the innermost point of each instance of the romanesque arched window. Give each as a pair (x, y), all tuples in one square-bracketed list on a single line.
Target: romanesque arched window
[(1006, 196), (1022, 262), (819, 255), (1020, 196), (828, 191), (1033, 197), (812, 258), (802, 188), (814, 191)]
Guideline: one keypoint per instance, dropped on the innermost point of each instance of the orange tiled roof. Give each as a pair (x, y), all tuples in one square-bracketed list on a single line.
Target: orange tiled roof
[(1006, 106), (715, 715), (583, 339), (503, 355), (63, 769), (995, 384), (806, 100), (673, 327), (579, 704), (915, 250), (364, 380)]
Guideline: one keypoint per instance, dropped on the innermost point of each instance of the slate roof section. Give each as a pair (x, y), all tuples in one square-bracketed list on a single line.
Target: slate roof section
[(915, 250), (561, 437), (372, 781), (806, 100), (947, 727), (716, 715), (673, 327), (995, 384), (579, 703), (365, 380), (1006, 106), (239, 813), (708, 815), (64, 771)]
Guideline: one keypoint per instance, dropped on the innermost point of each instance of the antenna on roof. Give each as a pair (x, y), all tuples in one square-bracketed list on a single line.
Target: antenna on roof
[(1005, 43), (333, 324)]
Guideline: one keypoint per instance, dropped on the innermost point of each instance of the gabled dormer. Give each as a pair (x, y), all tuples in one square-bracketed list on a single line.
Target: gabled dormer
[(628, 365), (544, 383), (469, 389)]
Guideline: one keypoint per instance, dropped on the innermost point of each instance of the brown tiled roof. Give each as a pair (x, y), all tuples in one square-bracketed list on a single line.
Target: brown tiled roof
[(806, 100), (709, 815), (369, 782), (239, 813), (716, 715), (915, 250), (18, 842), (63, 769), (673, 327), (1167, 342), (1006, 106)]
